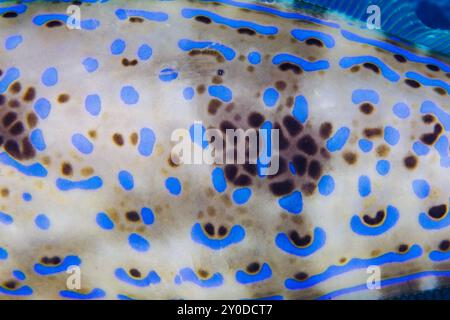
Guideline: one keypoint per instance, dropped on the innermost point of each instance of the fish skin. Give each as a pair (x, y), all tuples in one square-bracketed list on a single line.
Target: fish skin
[(161, 107)]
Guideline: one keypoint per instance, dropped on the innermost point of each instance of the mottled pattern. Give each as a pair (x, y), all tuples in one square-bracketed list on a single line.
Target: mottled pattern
[(86, 175)]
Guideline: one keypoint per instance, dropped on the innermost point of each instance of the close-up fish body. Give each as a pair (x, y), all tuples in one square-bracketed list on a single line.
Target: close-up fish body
[(97, 98)]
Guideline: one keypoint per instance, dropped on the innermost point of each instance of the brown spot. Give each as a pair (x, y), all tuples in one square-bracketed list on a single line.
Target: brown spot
[(355, 69), (433, 67), (203, 19), (280, 85), (410, 162), (379, 217), (66, 169), (281, 188), (217, 80), (428, 118), (118, 139), (400, 58), (253, 267), (128, 63), (87, 171), (403, 248), (208, 52), (314, 169), (11, 284), (15, 87), (314, 42), (325, 130), (14, 103), (4, 192), (350, 157), (213, 106), (134, 138), (412, 83), (372, 67), (438, 212), (203, 274), (440, 91), (135, 273), (298, 240), (10, 14), (444, 245), (16, 129), (132, 216), (255, 119), (63, 98), (292, 125), (9, 118), (287, 66), (201, 89), (92, 134), (366, 108), (53, 24), (136, 20), (382, 150), (372, 132), (250, 68), (32, 120), (307, 145), (246, 31), (301, 276), (30, 94)]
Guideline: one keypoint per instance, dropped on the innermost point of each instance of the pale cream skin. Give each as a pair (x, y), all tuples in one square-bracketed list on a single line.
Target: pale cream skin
[(162, 108)]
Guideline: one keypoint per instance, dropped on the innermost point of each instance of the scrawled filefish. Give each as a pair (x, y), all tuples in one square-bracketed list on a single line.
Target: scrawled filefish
[(93, 204)]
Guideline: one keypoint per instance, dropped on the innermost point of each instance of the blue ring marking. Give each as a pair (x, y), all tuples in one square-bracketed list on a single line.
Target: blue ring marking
[(92, 183), (356, 263), (19, 9), (359, 227), (421, 188), (90, 64), (82, 144), (129, 95), (173, 185), (254, 57), (151, 278), (220, 92), (338, 140), (32, 170), (235, 235), (386, 71), (42, 222), (145, 52), (391, 135), (306, 65), (365, 145), (386, 283), (93, 104), (147, 140), (6, 218), (88, 24), (50, 77), (292, 203), (383, 167), (118, 47), (439, 255), (22, 291), (363, 95), (441, 114), (42, 107), (3, 254), (326, 185), (420, 148), (188, 93), (428, 82), (104, 221), (37, 139), (187, 274), (442, 147), (284, 243), (364, 186), (394, 49), (12, 42), (147, 216), (123, 14), (401, 110), (235, 24), (242, 195), (45, 270), (126, 180), (270, 97), (27, 197), (303, 34), (263, 274), (278, 13), (96, 293), (138, 242), (168, 74), (188, 45), (19, 275), (218, 180), (300, 111), (430, 223), (11, 75)]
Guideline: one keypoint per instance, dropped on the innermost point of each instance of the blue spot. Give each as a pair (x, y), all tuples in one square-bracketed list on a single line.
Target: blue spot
[(427, 81), (365, 145), (254, 57), (391, 135), (126, 180), (221, 92), (10, 75), (300, 109), (420, 149), (146, 142), (32, 170), (147, 216), (151, 278), (118, 47), (173, 185), (123, 14), (129, 95), (27, 197), (387, 72), (42, 221), (363, 95), (37, 139), (270, 97), (383, 167), (304, 64), (359, 227), (12, 42), (242, 195), (235, 235), (168, 74), (188, 45), (302, 35), (6, 218), (197, 133), (245, 278), (138, 242), (96, 293), (292, 203), (441, 114), (3, 254), (421, 188), (50, 77), (188, 93), (186, 274), (92, 183), (82, 144), (326, 185), (93, 104), (19, 275), (338, 140), (145, 52), (364, 187), (218, 179), (46, 270), (283, 242), (401, 110), (42, 107), (104, 221), (90, 64)]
